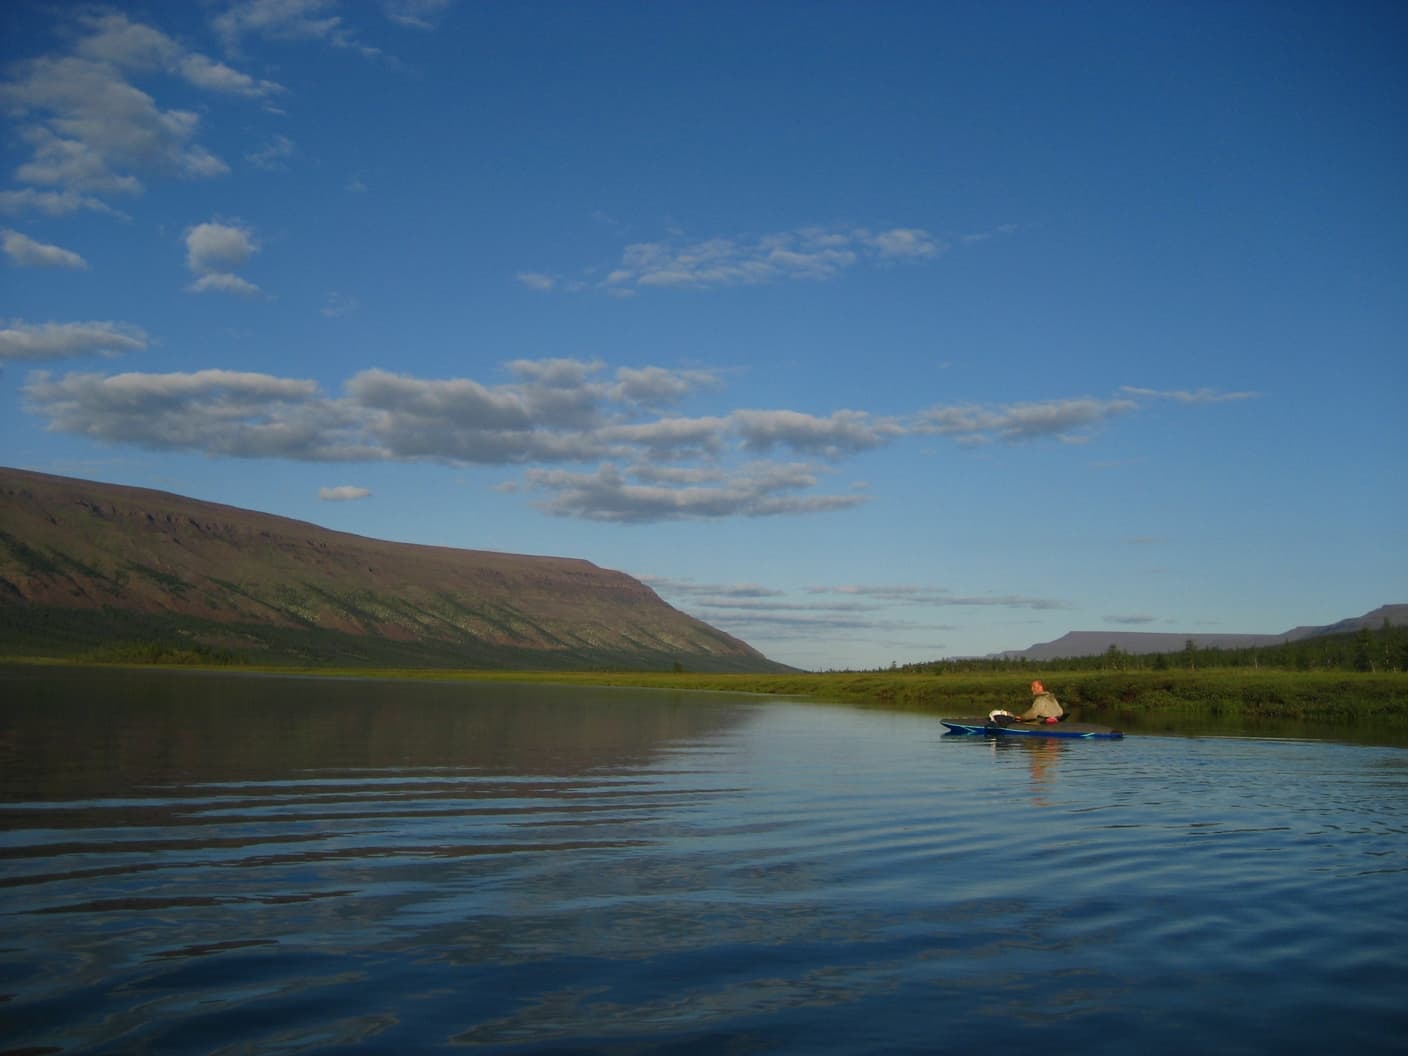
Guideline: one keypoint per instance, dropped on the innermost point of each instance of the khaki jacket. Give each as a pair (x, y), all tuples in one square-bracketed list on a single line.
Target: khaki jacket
[(1044, 705)]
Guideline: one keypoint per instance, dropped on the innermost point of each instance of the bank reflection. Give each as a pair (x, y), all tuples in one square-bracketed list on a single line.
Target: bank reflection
[(78, 733)]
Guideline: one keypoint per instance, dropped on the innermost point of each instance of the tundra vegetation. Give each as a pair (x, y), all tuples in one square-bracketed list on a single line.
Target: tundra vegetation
[(1344, 681)]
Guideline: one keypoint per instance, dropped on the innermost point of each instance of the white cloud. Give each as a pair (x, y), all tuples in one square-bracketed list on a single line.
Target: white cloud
[(343, 493), (760, 612), (215, 76), (843, 432), (536, 280), (115, 40), (711, 590), (656, 386), (52, 203), (554, 413), (218, 247), (551, 418), (922, 595), (223, 282), (213, 251), (757, 490), (20, 340), (1012, 423), (901, 242), (418, 14), (118, 42), (656, 473), (983, 236), (92, 132), (28, 253), (287, 20), (675, 438), (273, 156), (338, 305), (218, 412), (113, 130), (803, 254), (1185, 396), (555, 410)]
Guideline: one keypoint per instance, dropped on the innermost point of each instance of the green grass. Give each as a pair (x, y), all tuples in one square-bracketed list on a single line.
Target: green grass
[(82, 635), (1222, 700), (1330, 696), (1094, 696)]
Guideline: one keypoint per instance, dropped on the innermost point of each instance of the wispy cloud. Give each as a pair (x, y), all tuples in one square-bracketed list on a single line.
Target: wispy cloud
[(767, 614), (536, 280), (338, 304), (115, 40), (286, 20), (344, 493), (274, 155), (26, 252), (590, 443), (224, 282), (837, 434), (52, 203), (813, 254), (983, 236), (736, 591), (764, 489), (1187, 396), (921, 595), (417, 14), (1016, 422), (317, 21), (20, 340)]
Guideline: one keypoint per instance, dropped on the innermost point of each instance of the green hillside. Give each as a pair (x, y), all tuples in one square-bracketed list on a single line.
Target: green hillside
[(101, 570)]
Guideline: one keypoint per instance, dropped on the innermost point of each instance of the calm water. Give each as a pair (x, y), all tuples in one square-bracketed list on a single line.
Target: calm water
[(199, 864)]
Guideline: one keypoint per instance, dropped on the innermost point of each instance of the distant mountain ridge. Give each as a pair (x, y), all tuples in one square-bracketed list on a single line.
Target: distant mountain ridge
[(86, 564), (1093, 643)]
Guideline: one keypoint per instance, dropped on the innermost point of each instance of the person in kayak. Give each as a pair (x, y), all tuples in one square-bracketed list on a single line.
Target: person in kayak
[(1045, 707)]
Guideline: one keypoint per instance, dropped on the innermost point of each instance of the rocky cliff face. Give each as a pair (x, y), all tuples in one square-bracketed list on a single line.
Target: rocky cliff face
[(88, 559)]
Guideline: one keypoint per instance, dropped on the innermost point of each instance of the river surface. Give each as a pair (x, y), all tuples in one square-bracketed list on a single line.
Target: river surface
[(209, 864)]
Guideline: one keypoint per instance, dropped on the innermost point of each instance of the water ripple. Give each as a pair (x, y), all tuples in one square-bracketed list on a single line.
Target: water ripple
[(779, 878)]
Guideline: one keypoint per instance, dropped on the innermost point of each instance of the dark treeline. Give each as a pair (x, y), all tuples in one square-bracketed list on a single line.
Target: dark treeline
[(1383, 650), (155, 652)]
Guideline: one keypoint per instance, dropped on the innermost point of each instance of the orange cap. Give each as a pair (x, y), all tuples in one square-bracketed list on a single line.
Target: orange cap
[(1037, 687)]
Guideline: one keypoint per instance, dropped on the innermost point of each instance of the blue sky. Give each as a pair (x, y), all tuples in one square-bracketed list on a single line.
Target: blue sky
[(870, 333)]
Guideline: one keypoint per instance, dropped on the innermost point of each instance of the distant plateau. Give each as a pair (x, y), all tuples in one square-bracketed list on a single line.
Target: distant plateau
[(93, 570)]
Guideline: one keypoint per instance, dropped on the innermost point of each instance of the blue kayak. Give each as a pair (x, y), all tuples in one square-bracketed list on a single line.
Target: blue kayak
[(1070, 730)]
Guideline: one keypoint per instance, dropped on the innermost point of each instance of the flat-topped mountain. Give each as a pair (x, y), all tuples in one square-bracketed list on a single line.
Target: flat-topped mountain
[(87, 566), (1093, 643)]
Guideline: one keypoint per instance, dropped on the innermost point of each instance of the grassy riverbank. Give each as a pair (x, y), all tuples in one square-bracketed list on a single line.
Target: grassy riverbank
[(1238, 695), (1361, 707), (1094, 696)]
